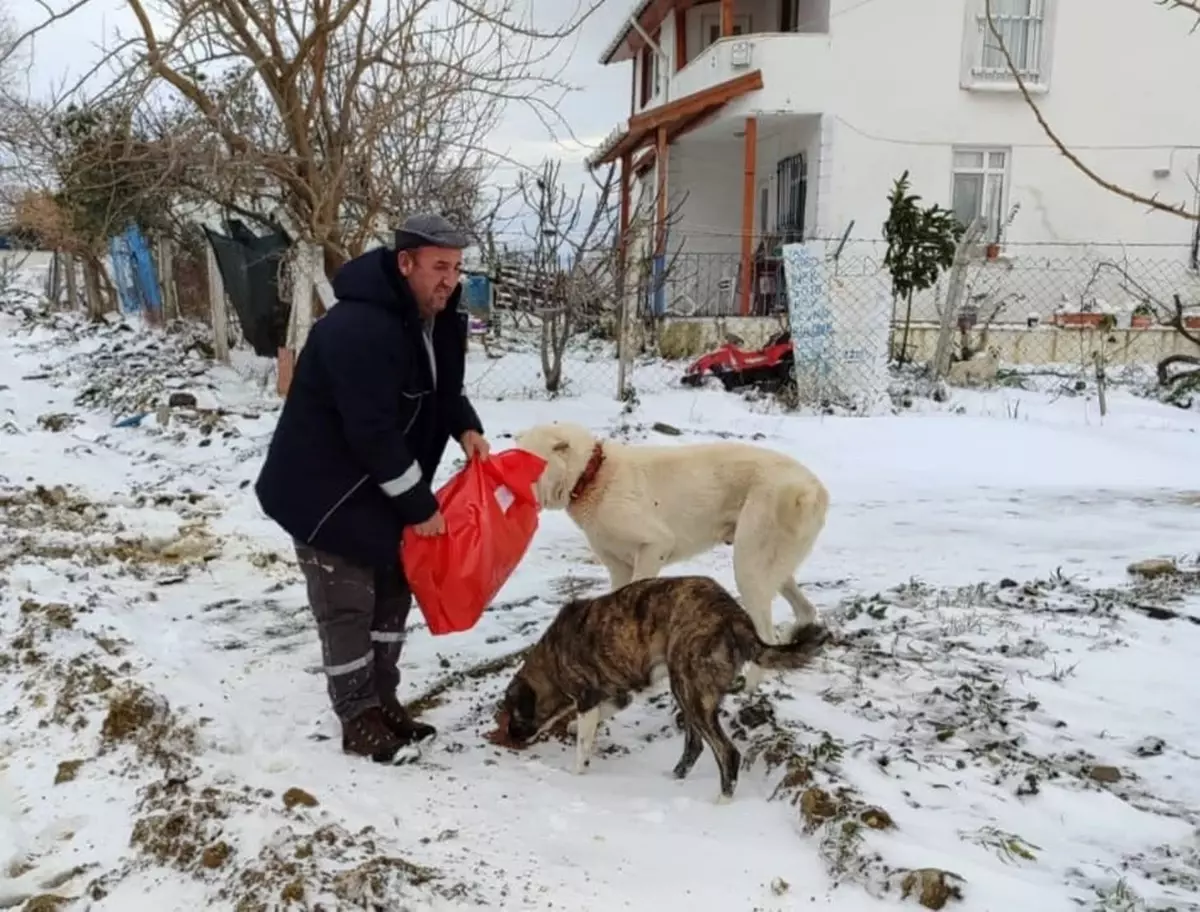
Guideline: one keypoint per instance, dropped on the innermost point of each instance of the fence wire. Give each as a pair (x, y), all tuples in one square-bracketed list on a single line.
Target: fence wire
[(1022, 309), (826, 329)]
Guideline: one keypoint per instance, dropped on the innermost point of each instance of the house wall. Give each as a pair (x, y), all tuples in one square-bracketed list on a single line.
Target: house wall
[(894, 109), (892, 100), (706, 179), (897, 109), (1014, 345), (761, 16)]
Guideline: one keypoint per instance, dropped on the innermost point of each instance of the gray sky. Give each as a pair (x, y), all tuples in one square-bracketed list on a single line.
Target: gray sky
[(69, 48)]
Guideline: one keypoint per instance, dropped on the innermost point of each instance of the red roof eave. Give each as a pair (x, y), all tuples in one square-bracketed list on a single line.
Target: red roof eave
[(678, 117)]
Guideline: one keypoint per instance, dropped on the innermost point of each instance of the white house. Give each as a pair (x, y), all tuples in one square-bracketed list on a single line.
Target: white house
[(775, 120)]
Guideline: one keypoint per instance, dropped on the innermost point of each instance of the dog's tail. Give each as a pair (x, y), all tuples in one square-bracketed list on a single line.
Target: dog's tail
[(803, 503), (799, 652)]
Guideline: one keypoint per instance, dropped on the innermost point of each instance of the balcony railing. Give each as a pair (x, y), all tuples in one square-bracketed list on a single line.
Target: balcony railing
[(709, 285), (796, 70)]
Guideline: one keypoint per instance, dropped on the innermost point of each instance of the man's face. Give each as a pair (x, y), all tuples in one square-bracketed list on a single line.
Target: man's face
[(432, 274)]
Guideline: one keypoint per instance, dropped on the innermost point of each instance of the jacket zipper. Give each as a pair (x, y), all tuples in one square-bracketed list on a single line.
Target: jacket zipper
[(358, 484)]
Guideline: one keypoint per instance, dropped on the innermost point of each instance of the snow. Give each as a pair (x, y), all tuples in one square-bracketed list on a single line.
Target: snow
[(994, 661)]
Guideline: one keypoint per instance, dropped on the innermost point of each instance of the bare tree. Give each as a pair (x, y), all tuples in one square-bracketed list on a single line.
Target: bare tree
[(344, 114), (573, 272), (89, 173), (572, 261), (1151, 202)]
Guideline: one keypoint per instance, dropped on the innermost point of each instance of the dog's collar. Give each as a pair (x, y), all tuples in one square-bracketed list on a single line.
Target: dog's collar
[(589, 472)]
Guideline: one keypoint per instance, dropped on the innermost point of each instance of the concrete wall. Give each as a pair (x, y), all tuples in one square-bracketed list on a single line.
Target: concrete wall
[(1017, 346)]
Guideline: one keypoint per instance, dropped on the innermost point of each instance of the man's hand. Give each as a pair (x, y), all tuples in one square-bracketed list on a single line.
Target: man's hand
[(475, 444), (435, 525)]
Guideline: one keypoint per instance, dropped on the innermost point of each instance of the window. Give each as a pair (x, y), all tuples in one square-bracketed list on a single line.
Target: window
[(789, 15), (651, 67), (980, 178), (804, 16), (710, 28), (791, 192), (764, 202), (1024, 27)]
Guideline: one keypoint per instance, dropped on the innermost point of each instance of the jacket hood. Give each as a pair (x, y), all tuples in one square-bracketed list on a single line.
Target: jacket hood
[(372, 278)]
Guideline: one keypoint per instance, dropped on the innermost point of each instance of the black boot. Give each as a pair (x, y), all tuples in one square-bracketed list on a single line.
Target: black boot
[(370, 734), (402, 724)]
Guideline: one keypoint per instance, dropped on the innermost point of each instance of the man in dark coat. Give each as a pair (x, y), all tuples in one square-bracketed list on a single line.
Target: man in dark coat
[(376, 395)]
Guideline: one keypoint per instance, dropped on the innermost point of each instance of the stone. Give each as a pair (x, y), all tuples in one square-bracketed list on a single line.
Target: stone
[(1152, 567), (297, 797), (932, 887)]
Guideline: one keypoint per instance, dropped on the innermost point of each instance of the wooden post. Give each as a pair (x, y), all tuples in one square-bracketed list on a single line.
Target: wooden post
[(623, 352), (54, 280), (91, 288), (166, 279), (623, 224), (216, 303), (660, 219), (726, 18), (71, 265), (749, 171)]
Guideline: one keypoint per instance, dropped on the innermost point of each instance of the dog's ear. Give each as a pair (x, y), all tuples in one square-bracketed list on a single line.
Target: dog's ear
[(562, 446)]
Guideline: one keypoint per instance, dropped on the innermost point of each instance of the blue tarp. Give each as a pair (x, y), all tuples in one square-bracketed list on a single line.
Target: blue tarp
[(134, 273)]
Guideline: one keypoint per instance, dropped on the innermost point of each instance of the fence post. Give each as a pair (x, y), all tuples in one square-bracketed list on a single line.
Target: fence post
[(623, 346), (216, 302), (70, 266), (166, 279), (955, 290)]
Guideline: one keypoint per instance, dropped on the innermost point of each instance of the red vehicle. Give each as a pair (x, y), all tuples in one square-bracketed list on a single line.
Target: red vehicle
[(737, 367)]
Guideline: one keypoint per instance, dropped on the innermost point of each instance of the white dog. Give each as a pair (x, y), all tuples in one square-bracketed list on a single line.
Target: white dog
[(643, 507)]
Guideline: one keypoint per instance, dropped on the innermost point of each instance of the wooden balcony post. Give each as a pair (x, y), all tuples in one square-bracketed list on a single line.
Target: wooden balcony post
[(623, 225), (660, 236), (749, 174), (726, 18)]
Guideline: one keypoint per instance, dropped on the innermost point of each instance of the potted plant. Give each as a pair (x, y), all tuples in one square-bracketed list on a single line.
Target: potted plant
[(1142, 317), (1079, 319)]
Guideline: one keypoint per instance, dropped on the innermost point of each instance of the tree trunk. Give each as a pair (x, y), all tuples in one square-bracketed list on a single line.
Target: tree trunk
[(903, 356), (551, 366)]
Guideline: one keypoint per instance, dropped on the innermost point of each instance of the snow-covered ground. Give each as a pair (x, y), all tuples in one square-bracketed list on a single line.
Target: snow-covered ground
[(1009, 722)]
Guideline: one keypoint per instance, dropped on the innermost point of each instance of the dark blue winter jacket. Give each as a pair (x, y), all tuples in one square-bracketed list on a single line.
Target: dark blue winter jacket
[(365, 424)]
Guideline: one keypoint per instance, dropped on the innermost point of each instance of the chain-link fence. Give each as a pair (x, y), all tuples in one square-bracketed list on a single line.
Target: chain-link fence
[(822, 316)]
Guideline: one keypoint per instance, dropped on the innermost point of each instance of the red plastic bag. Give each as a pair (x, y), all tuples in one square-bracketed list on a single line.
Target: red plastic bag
[(491, 515)]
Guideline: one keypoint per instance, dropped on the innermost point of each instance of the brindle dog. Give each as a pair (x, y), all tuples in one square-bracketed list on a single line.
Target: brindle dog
[(597, 652)]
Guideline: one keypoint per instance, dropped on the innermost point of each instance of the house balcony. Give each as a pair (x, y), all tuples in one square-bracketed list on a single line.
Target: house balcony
[(796, 73)]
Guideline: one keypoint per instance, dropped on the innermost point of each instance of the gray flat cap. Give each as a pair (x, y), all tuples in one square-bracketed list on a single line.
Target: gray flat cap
[(429, 230)]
